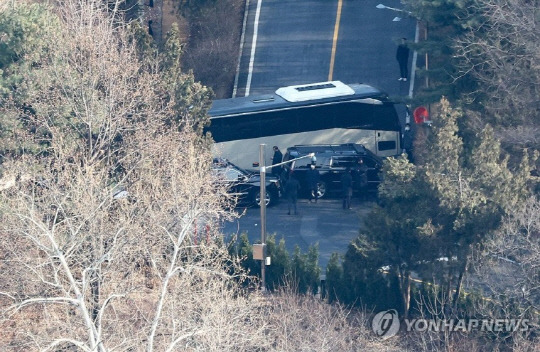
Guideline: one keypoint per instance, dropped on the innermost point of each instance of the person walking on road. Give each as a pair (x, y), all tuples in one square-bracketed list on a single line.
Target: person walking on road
[(346, 188), (276, 159), (291, 190), (313, 177), (402, 56)]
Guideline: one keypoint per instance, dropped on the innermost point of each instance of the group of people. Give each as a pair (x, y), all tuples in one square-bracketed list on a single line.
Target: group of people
[(292, 185)]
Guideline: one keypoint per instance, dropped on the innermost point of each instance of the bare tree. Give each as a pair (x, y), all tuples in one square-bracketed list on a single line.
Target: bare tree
[(512, 254), (502, 51), (100, 245), (110, 237), (507, 269)]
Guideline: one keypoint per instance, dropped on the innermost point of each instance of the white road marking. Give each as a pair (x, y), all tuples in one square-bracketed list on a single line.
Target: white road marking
[(242, 37), (414, 57), (253, 46)]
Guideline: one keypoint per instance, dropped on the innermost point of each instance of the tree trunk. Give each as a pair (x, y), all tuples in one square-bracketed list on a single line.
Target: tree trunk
[(95, 292), (405, 290), (459, 284)]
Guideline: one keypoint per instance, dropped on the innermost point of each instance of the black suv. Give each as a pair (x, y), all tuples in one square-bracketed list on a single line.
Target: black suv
[(245, 185), (332, 160)]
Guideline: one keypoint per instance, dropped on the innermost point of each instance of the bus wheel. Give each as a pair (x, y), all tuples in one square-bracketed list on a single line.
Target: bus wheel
[(321, 189), (268, 198)]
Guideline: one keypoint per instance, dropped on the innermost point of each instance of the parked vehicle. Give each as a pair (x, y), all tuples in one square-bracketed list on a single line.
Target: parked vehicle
[(245, 185), (332, 160), (326, 112)]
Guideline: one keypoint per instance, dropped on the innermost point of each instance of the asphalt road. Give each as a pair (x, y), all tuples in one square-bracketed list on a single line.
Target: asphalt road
[(289, 42), (324, 222), (294, 41)]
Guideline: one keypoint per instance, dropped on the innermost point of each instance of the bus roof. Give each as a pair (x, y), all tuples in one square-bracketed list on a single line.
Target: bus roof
[(300, 95)]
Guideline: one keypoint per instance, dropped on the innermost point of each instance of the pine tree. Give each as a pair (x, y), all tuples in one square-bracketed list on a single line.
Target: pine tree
[(441, 209), (279, 271), (474, 191), (305, 269), (245, 253), (192, 99), (334, 278), (28, 32), (442, 23)]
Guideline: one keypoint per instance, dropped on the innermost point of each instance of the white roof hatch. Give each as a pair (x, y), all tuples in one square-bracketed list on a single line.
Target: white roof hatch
[(313, 91)]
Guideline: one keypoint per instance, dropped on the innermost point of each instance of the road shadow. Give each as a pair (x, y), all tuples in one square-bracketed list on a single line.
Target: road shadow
[(324, 222)]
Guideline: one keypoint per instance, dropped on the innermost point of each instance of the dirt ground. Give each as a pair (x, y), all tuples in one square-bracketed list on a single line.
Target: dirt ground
[(212, 53), (170, 16)]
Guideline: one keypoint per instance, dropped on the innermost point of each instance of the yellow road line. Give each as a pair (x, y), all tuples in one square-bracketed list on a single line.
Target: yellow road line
[(334, 43)]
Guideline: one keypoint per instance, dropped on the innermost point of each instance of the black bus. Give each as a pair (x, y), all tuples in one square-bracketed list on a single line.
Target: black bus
[(318, 113)]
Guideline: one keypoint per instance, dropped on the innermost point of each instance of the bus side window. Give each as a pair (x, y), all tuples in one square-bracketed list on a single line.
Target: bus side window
[(275, 123), (318, 117), (220, 132), (247, 127), (386, 145), (354, 115)]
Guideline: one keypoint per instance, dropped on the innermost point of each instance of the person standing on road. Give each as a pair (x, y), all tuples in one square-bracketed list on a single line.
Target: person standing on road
[(276, 159), (402, 56), (291, 190), (361, 178), (407, 140), (313, 177), (346, 188)]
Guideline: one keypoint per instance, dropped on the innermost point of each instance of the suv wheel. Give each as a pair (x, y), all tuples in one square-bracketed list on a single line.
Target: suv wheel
[(268, 199), (321, 189)]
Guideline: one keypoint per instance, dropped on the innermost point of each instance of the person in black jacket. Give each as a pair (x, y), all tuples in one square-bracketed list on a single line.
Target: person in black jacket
[(346, 188), (402, 56), (313, 177), (407, 140), (360, 178), (276, 159), (291, 190)]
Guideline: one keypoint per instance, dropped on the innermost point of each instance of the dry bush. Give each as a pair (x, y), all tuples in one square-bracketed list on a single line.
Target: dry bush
[(501, 50), (305, 323), (83, 268), (509, 263), (98, 268)]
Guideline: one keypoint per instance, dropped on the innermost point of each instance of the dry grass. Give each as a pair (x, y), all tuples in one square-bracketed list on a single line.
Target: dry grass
[(212, 50)]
